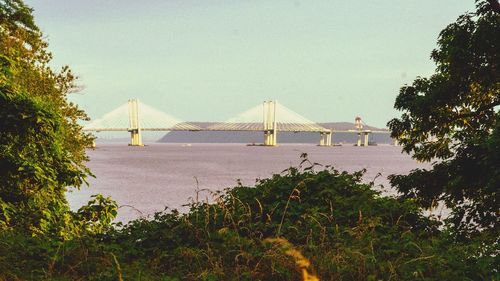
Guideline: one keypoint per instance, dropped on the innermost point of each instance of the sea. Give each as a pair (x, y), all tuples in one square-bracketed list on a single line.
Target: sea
[(149, 179)]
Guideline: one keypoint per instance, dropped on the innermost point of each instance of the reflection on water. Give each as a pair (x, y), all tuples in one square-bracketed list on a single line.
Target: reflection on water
[(152, 177)]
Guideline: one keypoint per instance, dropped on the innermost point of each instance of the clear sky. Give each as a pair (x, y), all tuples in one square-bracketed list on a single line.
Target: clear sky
[(328, 60)]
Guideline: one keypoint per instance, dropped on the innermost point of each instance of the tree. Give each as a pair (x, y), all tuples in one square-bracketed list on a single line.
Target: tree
[(452, 118), (42, 147), (22, 42)]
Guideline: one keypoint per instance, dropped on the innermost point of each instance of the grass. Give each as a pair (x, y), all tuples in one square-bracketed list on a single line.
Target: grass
[(301, 224)]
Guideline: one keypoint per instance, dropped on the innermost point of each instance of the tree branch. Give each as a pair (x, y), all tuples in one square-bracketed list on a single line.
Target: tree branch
[(479, 109), (495, 5)]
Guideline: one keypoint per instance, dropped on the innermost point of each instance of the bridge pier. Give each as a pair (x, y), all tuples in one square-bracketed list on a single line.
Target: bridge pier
[(325, 138), (269, 138), (270, 128), (135, 138), (134, 124), (363, 138)]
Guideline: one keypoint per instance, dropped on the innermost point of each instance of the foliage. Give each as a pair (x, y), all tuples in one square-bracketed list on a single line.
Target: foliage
[(35, 169), (453, 117), (300, 223), (42, 147), (23, 44)]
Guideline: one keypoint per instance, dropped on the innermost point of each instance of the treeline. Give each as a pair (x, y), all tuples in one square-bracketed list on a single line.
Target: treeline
[(307, 223)]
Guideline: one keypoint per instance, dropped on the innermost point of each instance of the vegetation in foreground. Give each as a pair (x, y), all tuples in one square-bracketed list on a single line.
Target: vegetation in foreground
[(452, 117), (302, 224), (344, 228)]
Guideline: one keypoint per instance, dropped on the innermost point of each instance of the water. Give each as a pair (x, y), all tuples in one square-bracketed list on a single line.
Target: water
[(144, 180)]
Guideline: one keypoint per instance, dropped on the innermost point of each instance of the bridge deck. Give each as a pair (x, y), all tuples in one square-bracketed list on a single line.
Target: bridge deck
[(174, 129)]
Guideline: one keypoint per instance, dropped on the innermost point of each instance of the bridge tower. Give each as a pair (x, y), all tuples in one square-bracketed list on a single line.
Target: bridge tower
[(366, 133), (270, 128), (134, 124)]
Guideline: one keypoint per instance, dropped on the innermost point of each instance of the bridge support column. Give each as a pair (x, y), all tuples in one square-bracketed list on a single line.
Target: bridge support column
[(325, 138), (134, 124), (270, 128), (358, 143), (366, 138)]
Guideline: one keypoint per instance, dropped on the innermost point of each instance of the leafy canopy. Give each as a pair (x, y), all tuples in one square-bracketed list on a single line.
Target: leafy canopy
[(452, 117), (42, 147)]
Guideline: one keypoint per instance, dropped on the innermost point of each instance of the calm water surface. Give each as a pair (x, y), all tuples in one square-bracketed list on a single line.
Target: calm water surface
[(144, 180)]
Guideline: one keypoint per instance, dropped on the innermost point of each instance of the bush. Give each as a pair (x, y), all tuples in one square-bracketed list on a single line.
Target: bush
[(302, 222)]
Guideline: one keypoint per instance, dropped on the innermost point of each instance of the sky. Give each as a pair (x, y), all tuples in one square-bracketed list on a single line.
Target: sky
[(329, 60)]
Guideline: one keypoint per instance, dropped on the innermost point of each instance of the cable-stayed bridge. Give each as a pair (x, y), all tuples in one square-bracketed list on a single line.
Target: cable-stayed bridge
[(270, 118)]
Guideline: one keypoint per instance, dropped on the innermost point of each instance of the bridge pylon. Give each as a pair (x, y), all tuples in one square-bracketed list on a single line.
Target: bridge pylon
[(134, 124), (270, 127)]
